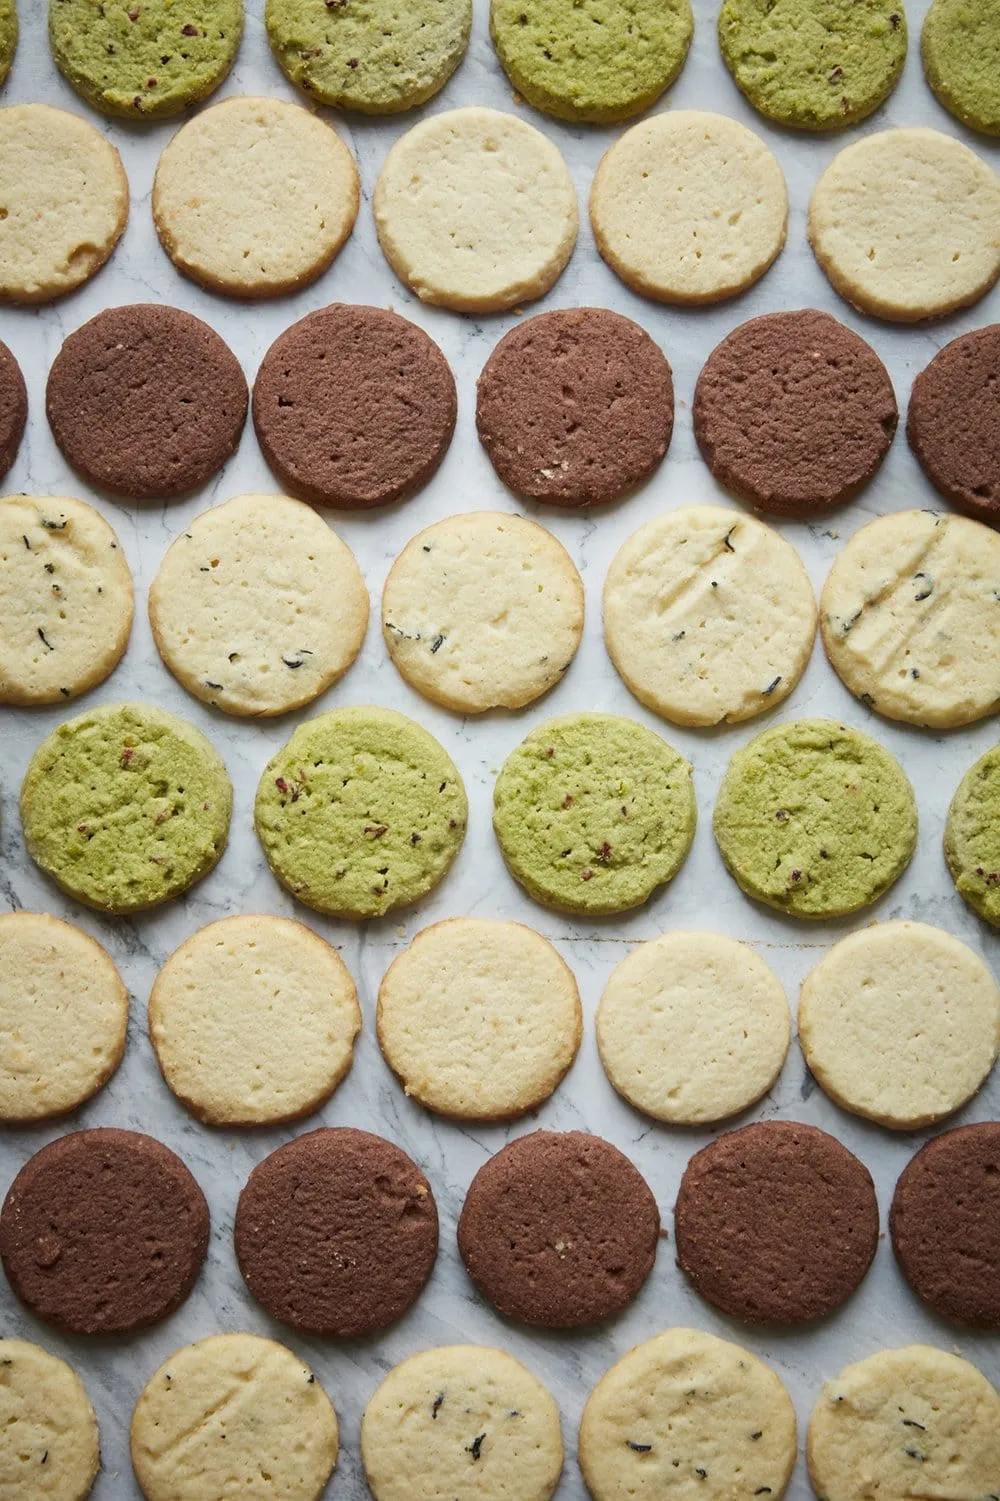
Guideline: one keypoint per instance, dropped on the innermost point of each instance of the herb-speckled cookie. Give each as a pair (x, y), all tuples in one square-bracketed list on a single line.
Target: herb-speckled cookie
[(8, 36), (960, 48), (49, 1443), (972, 837)]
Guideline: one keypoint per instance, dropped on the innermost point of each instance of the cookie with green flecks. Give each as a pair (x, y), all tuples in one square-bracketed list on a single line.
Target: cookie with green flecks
[(960, 48), (8, 36), (145, 57), (126, 806), (972, 837), (593, 812), (814, 64), (362, 811)]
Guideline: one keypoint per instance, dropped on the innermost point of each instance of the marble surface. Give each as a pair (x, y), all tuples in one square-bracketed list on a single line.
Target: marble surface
[(883, 1312)]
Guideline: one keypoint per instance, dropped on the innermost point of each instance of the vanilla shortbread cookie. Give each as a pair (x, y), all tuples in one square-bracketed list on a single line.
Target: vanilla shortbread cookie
[(709, 615), (49, 1443), (483, 611), (689, 207), (476, 210), (910, 615)]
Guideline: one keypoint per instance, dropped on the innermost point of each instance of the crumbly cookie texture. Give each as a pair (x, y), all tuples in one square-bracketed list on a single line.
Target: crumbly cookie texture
[(972, 837), (8, 36), (960, 48), (49, 1443)]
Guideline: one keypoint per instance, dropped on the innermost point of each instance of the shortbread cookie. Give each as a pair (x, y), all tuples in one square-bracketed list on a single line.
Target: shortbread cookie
[(903, 222), (972, 837), (479, 1020), (466, 1419), (476, 210), (905, 1424), (693, 1027), (126, 806), (13, 408), (65, 600), (255, 197), (689, 1413), (65, 1012), (64, 196), (278, 1424), (960, 48), (49, 1443), (593, 812), (8, 36), (689, 207), (377, 57), (900, 1023), (361, 812), (336, 1232), (258, 607), (559, 1229), (910, 618), (709, 616), (575, 407), (483, 611), (953, 422), (354, 407), (253, 1020), (794, 412)]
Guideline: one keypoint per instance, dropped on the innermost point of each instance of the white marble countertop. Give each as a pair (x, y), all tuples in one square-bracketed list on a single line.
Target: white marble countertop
[(883, 1313)]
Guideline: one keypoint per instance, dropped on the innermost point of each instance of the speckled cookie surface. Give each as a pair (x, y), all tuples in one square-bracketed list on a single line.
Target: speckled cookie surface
[(13, 408), (8, 36), (49, 1443), (815, 818), (972, 837), (960, 47), (126, 806), (953, 421), (559, 1229)]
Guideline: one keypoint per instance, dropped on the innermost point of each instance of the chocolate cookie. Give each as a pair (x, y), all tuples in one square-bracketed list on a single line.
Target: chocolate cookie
[(103, 1232), (776, 1223), (794, 413), (13, 408), (575, 407), (559, 1229), (336, 1232), (354, 407), (945, 1224), (953, 422), (146, 401)]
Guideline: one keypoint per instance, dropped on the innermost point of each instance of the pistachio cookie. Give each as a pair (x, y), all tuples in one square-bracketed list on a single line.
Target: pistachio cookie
[(49, 1441), (972, 837), (8, 36), (960, 48)]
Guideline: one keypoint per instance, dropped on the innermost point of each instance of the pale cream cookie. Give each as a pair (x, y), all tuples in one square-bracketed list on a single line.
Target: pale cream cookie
[(689, 207), (255, 197), (49, 1443), (906, 224), (258, 607), (476, 210), (709, 615), (483, 611)]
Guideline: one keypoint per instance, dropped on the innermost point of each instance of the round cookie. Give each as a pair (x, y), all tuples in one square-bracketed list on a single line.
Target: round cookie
[(476, 211), (815, 819), (336, 1232), (960, 48), (253, 1020), (575, 407), (65, 1014), (953, 422), (690, 1413), (900, 1022), (65, 599), (776, 1223), (126, 806), (8, 36), (103, 1232), (479, 1020), (814, 65), (354, 407), (972, 837), (445, 1410), (593, 812), (709, 616), (903, 224), (910, 618), (258, 607), (794, 412), (905, 1423), (689, 207), (255, 197), (49, 1443), (65, 198), (559, 1229), (692, 1028), (13, 407), (278, 1425), (483, 611)]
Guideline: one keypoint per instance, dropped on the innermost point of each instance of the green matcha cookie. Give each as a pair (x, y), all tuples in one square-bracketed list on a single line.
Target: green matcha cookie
[(8, 36), (361, 812), (591, 60), (960, 47), (146, 57), (814, 64), (593, 812), (972, 837), (375, 56), (126, 806), (815, 819)]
